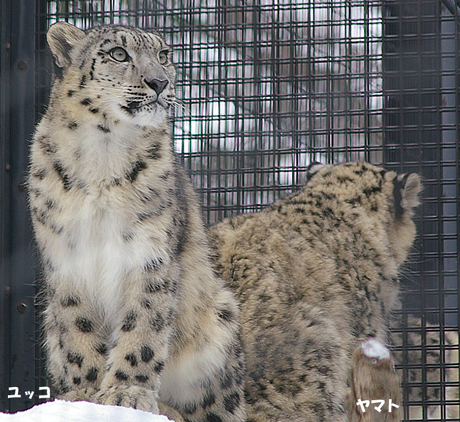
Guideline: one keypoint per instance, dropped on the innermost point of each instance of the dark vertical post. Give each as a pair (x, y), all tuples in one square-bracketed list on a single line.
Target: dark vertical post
[(415, 139), (5, 332), (412, 125), (17, 267)]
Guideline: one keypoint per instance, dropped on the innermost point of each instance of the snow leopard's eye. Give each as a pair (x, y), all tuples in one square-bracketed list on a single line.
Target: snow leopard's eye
[(119, 54), (163, 57)]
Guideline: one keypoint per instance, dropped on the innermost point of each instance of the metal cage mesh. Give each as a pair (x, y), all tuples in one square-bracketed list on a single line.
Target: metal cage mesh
[(268, 86), (265, 88)]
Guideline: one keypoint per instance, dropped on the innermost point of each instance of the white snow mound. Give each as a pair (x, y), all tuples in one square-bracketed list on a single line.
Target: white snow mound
[(373, 348), (81, 411)]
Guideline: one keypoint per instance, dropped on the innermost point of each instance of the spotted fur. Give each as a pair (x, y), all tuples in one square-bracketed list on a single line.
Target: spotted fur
[(316, 273), (134, 313)]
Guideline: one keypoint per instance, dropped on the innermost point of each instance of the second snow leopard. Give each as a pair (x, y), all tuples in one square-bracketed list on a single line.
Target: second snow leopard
[(134, 313), (316, 273)]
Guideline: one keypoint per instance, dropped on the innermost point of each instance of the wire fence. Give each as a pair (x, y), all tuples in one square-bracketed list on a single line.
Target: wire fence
[(266, 87)]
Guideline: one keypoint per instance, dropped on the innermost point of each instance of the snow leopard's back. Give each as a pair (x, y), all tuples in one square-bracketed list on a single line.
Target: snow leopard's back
[(316, 273)]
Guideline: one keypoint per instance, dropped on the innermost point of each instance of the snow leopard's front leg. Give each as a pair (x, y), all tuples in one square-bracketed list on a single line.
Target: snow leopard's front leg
[(204, 378), (141, 339), (76, 346)]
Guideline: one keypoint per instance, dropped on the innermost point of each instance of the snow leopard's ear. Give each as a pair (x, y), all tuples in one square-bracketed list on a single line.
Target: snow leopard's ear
[(406, 193), (313, 168), (62, 37)]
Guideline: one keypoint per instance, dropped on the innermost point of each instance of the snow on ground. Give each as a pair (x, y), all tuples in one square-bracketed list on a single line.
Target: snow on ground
[(64, 411)]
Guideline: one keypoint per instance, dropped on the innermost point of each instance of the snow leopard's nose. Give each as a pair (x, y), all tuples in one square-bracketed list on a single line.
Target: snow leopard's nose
[(157, 85)]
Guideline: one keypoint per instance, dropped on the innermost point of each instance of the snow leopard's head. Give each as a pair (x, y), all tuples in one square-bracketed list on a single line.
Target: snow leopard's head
[(362, 189), (125, 73)]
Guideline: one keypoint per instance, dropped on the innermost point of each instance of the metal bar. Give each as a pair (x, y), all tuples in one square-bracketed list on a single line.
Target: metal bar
[(452, 7), (5, 286), (18, 116)]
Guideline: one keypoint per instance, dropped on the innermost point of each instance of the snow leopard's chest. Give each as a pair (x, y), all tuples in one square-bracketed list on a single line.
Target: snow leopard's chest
[(97, 249)]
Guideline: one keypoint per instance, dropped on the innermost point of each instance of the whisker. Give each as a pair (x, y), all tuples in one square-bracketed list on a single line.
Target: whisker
[(177, 105)]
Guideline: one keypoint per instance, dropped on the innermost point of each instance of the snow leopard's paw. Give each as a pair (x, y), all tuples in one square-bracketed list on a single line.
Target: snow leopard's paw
[(83, 394), (128, 396), (171, 413)]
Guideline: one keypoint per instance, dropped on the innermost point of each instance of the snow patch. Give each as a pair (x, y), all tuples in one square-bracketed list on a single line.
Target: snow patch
[(81, 411), (373, 348)]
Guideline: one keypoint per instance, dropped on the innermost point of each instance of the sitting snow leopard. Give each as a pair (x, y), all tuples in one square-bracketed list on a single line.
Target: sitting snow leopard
[(316, 273), (134, 313)]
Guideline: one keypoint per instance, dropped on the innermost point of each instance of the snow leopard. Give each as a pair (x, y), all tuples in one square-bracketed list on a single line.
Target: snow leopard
[(134, 313), (316, 273)]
